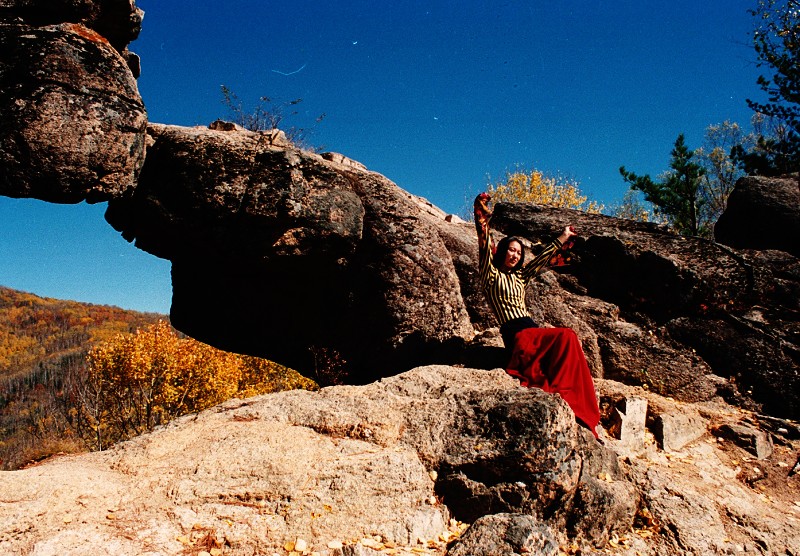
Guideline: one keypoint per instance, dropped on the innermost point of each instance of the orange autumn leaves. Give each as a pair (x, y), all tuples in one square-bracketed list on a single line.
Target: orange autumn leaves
[(139, 381)]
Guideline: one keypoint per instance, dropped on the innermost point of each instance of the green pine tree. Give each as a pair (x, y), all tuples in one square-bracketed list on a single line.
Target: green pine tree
[(677, 195)]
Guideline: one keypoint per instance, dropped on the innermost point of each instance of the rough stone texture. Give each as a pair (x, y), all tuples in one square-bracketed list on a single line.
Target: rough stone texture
[(496, 447), (368, 462), (676, 430), (701, 500), (119, 21), (757, 348), (628, 421), (762, 213), (605, 502), (73, 120), (295, 257), (346, 462), (506, 534), (702, 509), (757, 442)]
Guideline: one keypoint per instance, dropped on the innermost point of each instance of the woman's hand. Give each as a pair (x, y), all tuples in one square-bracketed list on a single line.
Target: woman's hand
[(568, 232)]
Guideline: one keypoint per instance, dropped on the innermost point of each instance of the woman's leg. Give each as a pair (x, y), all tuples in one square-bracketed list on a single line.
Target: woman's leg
[(552, 359)]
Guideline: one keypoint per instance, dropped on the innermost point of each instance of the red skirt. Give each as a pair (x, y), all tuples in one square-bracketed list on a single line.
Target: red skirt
[(552, 359)]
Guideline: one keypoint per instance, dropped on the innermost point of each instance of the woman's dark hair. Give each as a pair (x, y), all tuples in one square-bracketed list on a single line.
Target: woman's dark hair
[(502, 249)]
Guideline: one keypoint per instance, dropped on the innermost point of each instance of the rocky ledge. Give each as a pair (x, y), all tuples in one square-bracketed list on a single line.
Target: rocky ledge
[(437, 460)]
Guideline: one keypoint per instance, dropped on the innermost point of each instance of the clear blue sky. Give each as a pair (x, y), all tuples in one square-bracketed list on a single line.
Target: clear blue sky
[(438, 96)]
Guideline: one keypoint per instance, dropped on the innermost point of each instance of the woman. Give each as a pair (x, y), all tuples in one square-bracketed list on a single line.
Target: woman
[(548, 358)]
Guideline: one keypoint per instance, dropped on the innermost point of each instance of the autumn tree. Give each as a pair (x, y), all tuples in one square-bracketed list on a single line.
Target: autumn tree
[(262, 376), (535, 187), (776, 39), (676, 195), (139, 381), (43, 346)]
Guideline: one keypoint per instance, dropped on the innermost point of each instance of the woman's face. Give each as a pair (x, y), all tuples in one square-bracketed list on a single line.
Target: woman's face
[(513, 255)]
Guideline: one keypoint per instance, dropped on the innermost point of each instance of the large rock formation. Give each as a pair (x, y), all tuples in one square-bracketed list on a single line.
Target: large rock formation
[(73, 120), (318, 263), (402, 466), (362, 273), (292, 255)]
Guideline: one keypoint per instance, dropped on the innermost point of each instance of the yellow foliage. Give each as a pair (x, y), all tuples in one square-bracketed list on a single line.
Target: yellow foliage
[(138, 381), (535, 187), (43, 346), (262, 376)]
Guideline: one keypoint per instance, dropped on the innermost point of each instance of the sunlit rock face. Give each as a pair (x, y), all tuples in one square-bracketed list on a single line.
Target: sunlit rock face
[(398, 461), (73, 120)]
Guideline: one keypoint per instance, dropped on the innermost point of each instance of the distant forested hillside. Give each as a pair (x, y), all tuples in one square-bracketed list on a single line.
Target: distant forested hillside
[(43, 347), (77, 377), (36, 331)]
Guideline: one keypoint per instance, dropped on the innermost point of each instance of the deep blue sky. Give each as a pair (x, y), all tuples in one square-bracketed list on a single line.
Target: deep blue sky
[(438, 96)]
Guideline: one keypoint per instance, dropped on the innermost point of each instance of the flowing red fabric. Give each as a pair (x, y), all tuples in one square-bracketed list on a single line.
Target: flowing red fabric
[(552, 359)]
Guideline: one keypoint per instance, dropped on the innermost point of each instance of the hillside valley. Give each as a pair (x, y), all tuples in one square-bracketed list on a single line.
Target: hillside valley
[(43, 347)]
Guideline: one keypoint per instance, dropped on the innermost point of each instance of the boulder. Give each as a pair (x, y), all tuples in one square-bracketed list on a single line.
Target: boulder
[(297, 257), (507, 534), (762, 213), (677, 429), (627, 423), (73, 120), (757, 442), (605, 502), (119, 21)]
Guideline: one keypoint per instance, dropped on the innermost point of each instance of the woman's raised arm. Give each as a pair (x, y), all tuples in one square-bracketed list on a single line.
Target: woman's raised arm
[(539, 263), (482, 217)]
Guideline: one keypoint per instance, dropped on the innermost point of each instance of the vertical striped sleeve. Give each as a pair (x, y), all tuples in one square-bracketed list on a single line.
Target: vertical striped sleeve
[(485, 261), (537, 265)]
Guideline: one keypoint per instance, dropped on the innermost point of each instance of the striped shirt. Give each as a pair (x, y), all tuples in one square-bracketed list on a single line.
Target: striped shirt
[(505, 291)]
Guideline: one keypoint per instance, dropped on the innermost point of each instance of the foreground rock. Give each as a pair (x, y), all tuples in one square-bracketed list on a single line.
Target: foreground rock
[(345, 463), (372, 469), (73, 120)]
